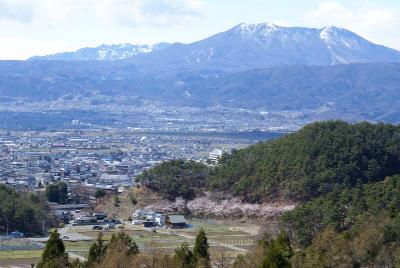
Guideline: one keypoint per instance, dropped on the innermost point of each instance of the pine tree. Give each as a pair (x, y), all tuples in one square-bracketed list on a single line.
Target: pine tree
[(100, 193), (54, 255), (132, 198), (78, 264), (120, 252), (275, 258), (96, 251), (183, 257), (116, 201), (279, 252), (200, 251), (124, 244), (57, 192)]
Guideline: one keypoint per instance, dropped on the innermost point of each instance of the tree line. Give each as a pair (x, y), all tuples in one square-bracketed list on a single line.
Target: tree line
[(122, 251), (21, 212)]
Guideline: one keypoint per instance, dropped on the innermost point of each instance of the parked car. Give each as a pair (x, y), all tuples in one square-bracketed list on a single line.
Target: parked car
[(108, 220), (65, 237), (137, 222), (86, 220), (97, 227), (17, 234), (110, 226), (100, 215), (111, 220)]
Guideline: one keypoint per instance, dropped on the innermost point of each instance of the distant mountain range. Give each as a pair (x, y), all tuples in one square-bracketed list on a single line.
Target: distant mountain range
[(104, 52), (251, 66), (248, 46), (352, 91)]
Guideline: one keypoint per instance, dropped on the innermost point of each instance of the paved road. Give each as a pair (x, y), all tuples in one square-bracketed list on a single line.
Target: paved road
[(72, 236), (68, 231)]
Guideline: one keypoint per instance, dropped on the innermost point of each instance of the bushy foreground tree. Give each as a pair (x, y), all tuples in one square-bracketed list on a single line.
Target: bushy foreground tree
[(200, 250), (269, 253), (120, 252), (96, 251), (54, 255), (183, 257), (198, 258)]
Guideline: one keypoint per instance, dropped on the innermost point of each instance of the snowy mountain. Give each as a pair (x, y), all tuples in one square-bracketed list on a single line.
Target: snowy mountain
[(248, 46), (104, 52)]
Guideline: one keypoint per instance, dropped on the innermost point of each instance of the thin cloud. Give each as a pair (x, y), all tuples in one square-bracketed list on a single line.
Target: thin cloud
[(136, 13), (16, 10), (21, 48), (376, 23), (130, 13)]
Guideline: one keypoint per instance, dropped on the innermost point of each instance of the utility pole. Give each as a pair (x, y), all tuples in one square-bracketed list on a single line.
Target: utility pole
[(43, 213)]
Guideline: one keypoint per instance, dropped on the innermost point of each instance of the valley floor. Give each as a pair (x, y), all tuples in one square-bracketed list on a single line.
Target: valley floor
[(227, 239)]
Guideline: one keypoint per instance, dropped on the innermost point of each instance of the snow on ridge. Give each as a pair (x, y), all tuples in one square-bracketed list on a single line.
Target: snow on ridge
[(252, 30), (106, 52)]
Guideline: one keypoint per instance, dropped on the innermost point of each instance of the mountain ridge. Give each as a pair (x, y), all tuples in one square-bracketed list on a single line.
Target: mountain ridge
[(367, 91), (104, 52), (249, 46)]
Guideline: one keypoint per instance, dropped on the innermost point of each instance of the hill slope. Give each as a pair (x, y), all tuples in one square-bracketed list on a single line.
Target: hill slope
[(311, 162), (316, 160), (345, 179)]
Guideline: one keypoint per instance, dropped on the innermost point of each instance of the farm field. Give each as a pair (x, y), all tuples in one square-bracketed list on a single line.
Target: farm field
[(226, 240), (22, 258), (20, 254)]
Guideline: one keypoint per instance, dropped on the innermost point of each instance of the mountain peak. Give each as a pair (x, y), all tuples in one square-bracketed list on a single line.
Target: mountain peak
[(249, 29), (333, 28)]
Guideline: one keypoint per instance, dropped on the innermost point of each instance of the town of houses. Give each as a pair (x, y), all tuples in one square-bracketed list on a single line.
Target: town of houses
[(92, 159)]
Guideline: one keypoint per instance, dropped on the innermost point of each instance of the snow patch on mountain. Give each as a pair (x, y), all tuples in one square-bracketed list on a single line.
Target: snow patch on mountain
[(256, 30), (104, 52)]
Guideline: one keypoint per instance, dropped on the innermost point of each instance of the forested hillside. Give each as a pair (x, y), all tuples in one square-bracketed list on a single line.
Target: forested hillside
[(176, 178), (312, 162), (318, 159), (358, 227), (344, 177)]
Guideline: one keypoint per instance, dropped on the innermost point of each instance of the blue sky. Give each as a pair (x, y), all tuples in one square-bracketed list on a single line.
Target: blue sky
[(38, 27)]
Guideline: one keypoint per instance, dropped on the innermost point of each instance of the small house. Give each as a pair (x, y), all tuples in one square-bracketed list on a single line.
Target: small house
[(159, 218), (175, 221), (86, 220), (100, 215), (143, 214), (149, 224)]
